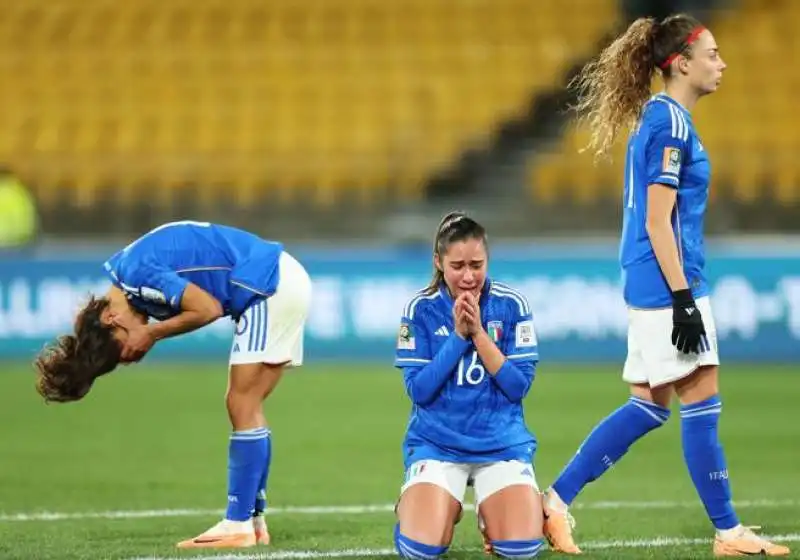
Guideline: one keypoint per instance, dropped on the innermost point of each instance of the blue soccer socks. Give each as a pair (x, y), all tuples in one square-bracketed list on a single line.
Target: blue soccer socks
[(706, 461), (607, 443), (248, 453)]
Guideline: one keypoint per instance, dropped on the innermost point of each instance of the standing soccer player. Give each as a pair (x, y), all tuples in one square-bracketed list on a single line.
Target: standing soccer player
[(468, 352), (187, 275), (672, 345)]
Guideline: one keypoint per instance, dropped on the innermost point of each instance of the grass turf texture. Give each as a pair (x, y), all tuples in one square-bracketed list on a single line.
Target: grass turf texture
[(154, 437)]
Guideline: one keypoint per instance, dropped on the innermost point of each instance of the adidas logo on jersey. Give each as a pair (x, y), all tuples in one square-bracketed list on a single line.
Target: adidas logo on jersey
[(442, 331)]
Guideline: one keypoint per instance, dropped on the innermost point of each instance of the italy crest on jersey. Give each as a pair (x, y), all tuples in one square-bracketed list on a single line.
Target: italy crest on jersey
[(495, 330)]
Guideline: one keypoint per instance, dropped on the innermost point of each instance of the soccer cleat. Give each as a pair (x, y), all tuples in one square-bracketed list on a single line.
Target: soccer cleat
[(260, 528), (744, 542), (225, 534), (558, 525)]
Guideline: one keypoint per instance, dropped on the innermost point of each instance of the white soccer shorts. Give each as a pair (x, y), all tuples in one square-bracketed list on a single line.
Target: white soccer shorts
[(486, 478), (271, 330), (652, 358)]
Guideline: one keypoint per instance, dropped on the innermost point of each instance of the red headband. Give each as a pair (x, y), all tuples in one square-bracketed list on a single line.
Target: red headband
[(689, 40)]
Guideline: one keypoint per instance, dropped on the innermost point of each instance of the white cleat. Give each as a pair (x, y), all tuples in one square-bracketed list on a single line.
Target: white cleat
[(225, 534), (742, 541), (558, 524), (260, 528)]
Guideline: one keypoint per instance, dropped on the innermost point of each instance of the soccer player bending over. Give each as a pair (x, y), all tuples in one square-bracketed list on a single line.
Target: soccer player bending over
[(186, 275), (672, 346), (468, 352)]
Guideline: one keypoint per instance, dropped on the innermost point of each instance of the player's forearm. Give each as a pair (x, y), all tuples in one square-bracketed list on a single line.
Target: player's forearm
[(424, 385), (511, 380), (186, 321), (515, 380), (491, 356), (665, 247)]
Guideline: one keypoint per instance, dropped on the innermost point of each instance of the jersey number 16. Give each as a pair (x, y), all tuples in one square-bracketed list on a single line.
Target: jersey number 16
[(471, 374)]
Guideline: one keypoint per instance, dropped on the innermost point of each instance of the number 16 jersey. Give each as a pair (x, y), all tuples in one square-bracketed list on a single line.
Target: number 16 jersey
[(470, 420)]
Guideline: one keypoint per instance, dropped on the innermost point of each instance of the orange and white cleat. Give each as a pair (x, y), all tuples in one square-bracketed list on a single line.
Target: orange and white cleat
[(260, 528), (742, 541), (225, 534), (558, 524)]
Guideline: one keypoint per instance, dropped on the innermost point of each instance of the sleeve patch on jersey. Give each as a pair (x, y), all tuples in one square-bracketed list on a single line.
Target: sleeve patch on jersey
[(405, 338), (153, 295), (672, 161), (526, 335)]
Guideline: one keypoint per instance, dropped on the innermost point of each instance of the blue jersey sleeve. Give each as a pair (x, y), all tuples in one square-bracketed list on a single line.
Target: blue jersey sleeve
[(425, 374), (155, 284), (163, 286), (516, 375), (521, 343), (413, 343), (668, 144)]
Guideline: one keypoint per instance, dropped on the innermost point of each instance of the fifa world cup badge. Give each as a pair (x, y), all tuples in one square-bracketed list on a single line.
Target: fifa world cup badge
[(672, 161), (405, 338), (495, 330)]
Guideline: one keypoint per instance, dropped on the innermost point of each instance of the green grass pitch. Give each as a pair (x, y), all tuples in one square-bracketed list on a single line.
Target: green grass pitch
[(154, 438)]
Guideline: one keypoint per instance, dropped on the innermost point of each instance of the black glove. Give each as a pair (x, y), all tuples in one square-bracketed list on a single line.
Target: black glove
[(688, 331)]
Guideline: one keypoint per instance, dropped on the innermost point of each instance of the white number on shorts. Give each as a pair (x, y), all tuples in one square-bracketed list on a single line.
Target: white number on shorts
[(471, 374)]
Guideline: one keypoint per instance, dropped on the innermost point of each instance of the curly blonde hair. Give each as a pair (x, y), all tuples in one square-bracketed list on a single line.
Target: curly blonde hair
[(613, 88)]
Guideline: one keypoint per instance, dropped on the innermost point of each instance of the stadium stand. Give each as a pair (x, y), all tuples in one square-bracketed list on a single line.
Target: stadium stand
[(307, 100), (746, 126)]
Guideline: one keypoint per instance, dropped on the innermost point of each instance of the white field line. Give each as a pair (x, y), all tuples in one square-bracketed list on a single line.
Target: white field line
[(352, 510), (658, 542), (287, 555)]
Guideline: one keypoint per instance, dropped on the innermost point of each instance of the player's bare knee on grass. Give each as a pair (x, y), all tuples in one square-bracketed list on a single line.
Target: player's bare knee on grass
[(699, 386), (513, 513), (427, 514)]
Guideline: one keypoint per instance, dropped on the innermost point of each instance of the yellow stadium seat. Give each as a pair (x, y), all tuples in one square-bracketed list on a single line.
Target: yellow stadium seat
[(746, 127), (286, 100)]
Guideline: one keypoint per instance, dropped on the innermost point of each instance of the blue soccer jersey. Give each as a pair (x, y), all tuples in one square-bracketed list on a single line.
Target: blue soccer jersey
[(663, 149), (234, 266), (460, 413)]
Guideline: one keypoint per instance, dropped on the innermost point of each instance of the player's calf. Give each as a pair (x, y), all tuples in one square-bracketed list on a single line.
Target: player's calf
[(608, 443)]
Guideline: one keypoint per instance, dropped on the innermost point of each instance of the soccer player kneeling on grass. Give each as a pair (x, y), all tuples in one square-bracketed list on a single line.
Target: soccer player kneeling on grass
[(186, 275), (468, 352)]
